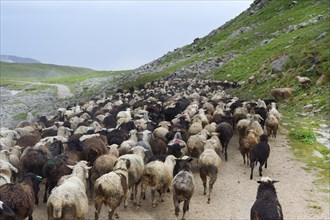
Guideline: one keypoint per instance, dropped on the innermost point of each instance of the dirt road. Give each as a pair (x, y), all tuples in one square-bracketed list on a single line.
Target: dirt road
[(234, 193), (62, 90)]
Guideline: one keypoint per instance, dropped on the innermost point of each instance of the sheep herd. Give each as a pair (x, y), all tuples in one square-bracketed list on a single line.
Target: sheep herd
[(152, 136)]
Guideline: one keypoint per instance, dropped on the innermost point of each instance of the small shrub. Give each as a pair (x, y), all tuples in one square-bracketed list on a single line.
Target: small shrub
[(305, 136)]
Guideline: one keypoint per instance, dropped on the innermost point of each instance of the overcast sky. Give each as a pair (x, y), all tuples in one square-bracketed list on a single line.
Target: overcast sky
[(108, 35)]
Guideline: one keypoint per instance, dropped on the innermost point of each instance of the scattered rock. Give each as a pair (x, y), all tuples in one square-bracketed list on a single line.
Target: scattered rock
[(307, 108), (317, 154), (321, 36), (321, 80), (277, 65)]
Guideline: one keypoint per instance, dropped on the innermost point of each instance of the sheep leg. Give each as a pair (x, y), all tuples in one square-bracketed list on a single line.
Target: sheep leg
[(260, 168), (117, 213), (211, 182), (252, 167), (143, 192), (135, 193), (203, 177), (176, 205), (185, 208), (266, 164), (111, 212), (46, 190), (153, 192), (161, 195), (98, 206), (226, 152), (132, 192)]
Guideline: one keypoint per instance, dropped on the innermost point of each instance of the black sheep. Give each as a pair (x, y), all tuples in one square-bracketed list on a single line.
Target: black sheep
[(266, 206), (226, 132), (260, 153)]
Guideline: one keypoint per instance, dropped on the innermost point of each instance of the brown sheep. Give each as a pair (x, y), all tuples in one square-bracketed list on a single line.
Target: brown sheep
[(272, 125), (93, 148), (247, 143), (20, 197)]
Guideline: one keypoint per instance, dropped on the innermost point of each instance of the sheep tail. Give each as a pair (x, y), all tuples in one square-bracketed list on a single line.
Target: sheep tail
[(210, 170)]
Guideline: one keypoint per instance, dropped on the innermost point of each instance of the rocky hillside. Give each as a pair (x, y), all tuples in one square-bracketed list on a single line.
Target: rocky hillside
[(266, 46)]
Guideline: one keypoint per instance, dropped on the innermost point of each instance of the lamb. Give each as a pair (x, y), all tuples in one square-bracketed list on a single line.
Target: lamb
[(183, 186), (135, 170), (274, 111), (304, 81), (225, 131), (209, 165), (69, 199), (111, 188), (266, 205), (159, 176), (20, 196), (260, 153), (272, 125), (6, 169), (281, 93)]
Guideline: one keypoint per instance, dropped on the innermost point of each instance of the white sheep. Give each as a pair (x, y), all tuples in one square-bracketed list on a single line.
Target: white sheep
[(274, 111), (304, 81), (111, 188), (209, 163), (135, 170), (127, 145), (69, 199), (196, 126), (195, 143), (6, 169), (162, 130), (158, 175)]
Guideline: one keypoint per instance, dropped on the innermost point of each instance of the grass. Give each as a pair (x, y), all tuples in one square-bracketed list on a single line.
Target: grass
[(20, 116), (38, 70)]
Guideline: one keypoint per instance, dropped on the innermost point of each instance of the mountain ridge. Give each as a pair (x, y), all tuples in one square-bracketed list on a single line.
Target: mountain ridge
[(17, 59)]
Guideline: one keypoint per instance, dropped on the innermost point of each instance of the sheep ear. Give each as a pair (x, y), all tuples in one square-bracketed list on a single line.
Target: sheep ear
[(259, 181), (70, 166), (275, 181), (88, 168)]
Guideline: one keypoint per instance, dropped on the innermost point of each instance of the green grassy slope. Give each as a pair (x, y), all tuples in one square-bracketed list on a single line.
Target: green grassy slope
[(37, 70)]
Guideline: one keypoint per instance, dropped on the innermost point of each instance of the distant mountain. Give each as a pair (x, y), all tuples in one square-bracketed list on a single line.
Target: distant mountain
[(15, 59)]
